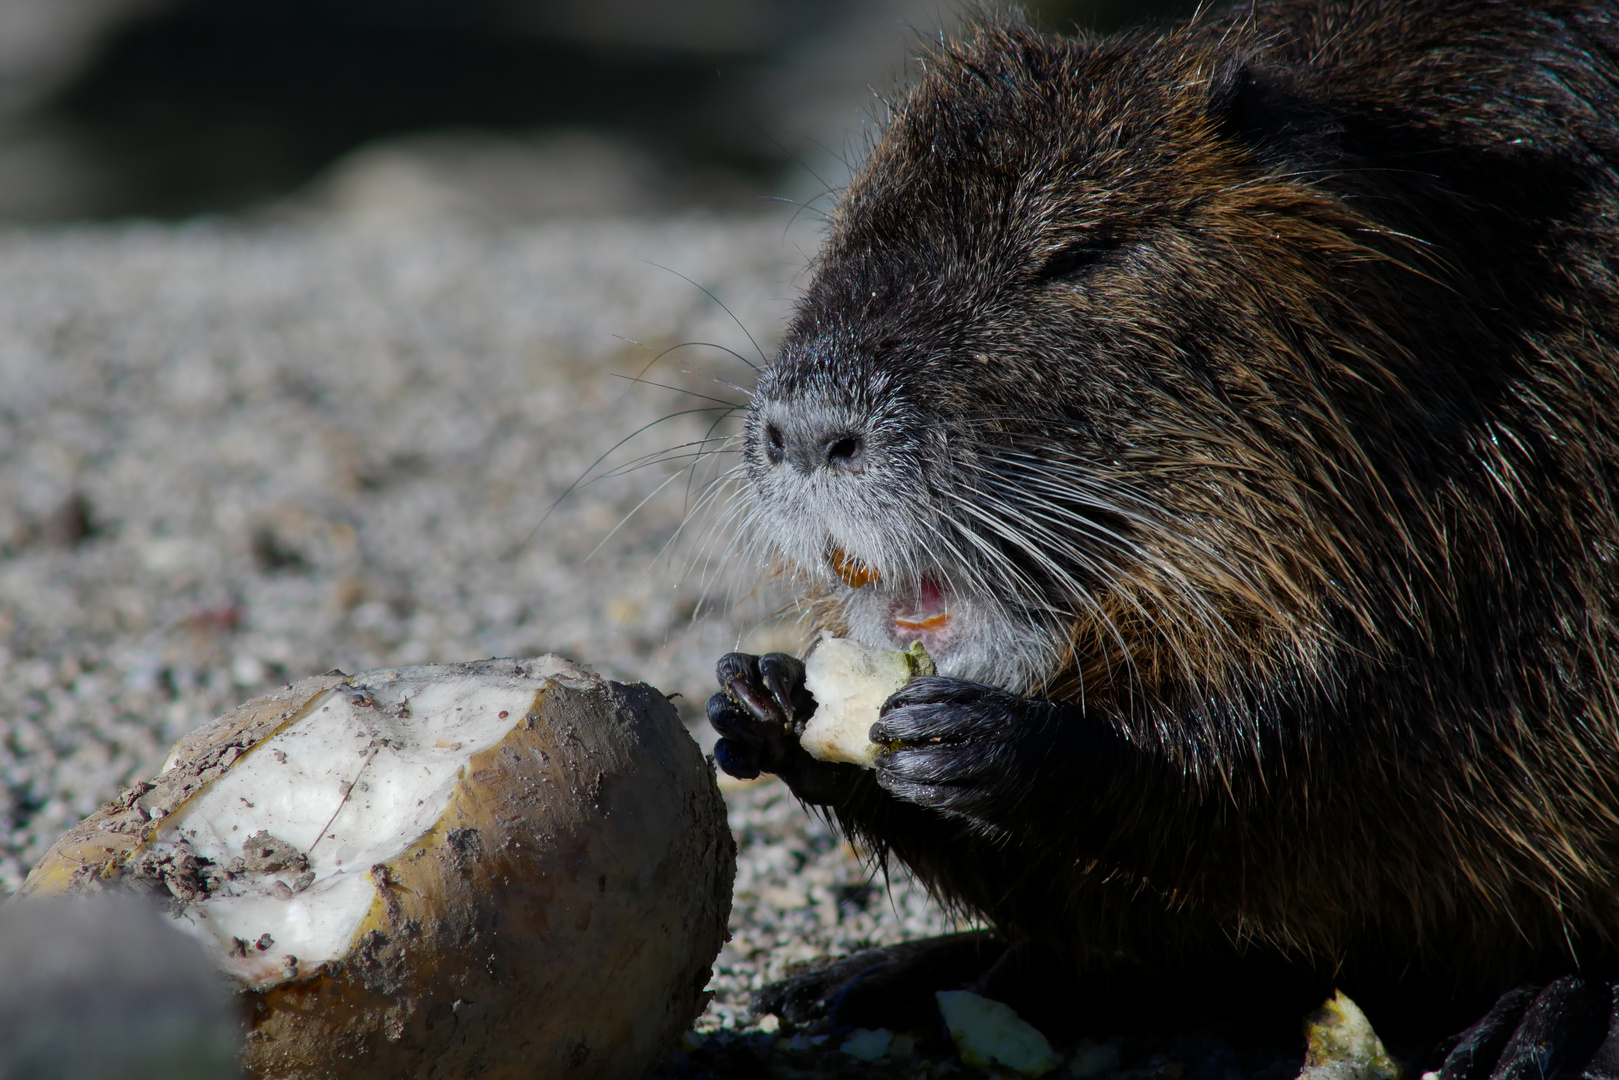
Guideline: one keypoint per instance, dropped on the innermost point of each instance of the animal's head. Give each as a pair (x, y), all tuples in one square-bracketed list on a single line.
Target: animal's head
[(1098, 374)]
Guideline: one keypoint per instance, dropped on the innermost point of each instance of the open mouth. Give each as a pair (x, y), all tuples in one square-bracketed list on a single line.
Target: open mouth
[(922, 614), (969, 631), (927, 612)]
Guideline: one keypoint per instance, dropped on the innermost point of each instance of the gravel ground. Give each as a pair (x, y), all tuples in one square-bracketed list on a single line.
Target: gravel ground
[(233, 455)]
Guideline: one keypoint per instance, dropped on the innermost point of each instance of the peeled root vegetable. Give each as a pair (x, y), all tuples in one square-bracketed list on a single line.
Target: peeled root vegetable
[(509, 868), (850, 682)]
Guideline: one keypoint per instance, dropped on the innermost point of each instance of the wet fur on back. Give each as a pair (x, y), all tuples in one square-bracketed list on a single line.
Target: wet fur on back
[(1256, 380)]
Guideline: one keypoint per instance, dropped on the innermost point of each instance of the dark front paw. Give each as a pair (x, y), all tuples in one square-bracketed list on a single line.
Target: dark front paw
[(982, 752), (759, 712), (759, 715)]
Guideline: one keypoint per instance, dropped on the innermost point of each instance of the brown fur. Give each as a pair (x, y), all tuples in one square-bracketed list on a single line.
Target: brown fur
[(1344, 372)]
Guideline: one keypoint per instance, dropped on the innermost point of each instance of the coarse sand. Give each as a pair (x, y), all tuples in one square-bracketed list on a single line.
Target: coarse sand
[(236, 454)]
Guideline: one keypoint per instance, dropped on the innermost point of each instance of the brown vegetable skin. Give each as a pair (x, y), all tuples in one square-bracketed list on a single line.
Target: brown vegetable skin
[(568, 925)]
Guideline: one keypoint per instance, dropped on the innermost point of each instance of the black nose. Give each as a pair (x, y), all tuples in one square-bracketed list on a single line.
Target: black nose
[(809, 445)]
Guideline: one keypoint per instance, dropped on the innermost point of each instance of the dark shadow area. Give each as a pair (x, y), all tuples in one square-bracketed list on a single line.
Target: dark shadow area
[(215, 107), (219, 105), (1106, 16)]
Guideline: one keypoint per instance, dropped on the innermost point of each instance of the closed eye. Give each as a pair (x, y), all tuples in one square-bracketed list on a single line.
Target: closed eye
[(1067, 262)]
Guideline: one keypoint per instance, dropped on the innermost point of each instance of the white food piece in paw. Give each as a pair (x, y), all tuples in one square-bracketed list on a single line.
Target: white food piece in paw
[(850, 682)]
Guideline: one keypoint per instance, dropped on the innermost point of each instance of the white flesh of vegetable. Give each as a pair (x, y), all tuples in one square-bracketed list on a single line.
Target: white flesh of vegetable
[(850, 682), (348, 785)]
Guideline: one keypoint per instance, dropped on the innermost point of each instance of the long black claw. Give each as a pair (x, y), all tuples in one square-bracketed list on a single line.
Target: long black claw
[(757, 701), (738, 675), (784, 676)]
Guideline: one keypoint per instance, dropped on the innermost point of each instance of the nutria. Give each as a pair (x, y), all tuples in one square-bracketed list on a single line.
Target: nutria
[(1245, 393)]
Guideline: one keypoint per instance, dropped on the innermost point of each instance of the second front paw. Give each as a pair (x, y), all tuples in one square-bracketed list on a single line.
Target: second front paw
[(979, 751)]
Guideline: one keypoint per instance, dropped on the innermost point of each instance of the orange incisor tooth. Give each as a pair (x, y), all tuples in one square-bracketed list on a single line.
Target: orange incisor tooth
[(931, 624), (856, 575)]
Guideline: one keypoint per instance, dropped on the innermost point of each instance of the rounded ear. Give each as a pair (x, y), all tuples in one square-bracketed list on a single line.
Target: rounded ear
[(1264, 109)]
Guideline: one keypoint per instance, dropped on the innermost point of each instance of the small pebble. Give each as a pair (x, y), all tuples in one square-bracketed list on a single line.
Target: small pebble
[(867, 1044)]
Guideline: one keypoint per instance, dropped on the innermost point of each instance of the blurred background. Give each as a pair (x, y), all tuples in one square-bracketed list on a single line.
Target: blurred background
[(522, 108)]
